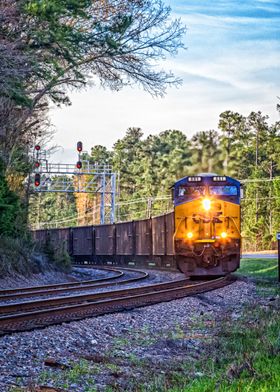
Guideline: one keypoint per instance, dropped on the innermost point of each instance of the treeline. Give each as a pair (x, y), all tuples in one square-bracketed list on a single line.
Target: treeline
[(247, 148), (50, 46)]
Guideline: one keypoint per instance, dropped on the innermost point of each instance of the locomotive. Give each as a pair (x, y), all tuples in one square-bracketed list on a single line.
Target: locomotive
[(207, 238), (200, 237)]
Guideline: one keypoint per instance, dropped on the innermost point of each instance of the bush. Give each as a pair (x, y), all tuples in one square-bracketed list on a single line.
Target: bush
[(58, 256), (19, 256), (16, 257)]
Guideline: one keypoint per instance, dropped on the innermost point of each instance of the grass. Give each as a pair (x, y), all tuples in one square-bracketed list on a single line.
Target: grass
[(78, 373), (259, 268), (264, 272), (245, 357)]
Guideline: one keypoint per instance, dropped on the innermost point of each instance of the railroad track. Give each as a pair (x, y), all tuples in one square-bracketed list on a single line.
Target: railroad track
[(38, 291), (41, 313)]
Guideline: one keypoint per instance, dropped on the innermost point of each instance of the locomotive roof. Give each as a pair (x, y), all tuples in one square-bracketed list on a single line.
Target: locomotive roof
[(206, 176)]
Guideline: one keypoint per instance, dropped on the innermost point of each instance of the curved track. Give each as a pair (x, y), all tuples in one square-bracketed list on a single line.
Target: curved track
[(41, 313), (37, 291)]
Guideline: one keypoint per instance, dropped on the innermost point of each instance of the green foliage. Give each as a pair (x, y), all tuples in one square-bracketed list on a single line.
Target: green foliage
[(58, 255), (12, 213), (49, 207)]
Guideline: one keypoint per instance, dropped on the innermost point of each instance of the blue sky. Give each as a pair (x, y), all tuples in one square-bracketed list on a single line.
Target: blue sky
[(232, 62)]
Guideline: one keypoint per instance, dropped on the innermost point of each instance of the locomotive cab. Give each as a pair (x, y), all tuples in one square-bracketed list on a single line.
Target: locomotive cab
[(207, 224)]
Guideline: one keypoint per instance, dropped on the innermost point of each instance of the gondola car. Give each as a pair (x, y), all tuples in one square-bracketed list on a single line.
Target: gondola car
[(200, 237)]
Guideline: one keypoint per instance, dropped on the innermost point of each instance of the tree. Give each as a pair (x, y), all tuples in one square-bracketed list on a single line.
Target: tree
[(12, 217), (49, 46), (235, 136), (127, 155), (206, 152), (52, 207), (100, 155)]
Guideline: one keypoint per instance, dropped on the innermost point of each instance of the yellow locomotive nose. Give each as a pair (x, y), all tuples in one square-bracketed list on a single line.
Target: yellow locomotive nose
[(206, 204)]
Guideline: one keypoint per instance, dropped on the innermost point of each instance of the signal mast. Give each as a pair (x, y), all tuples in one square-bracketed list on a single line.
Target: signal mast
[(60, 177)]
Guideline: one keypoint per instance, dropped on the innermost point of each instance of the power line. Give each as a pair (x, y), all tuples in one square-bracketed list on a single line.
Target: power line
[(251, 180)]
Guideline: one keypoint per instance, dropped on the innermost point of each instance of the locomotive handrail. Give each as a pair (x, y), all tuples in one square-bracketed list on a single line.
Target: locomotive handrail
[(230, 217), (176, 231)]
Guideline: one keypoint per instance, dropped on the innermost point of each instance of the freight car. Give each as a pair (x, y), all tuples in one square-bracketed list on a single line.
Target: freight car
[(200, 237)]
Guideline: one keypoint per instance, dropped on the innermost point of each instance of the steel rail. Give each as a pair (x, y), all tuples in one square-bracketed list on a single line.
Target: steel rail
[(41, 318), (80, 287), (90, 297)]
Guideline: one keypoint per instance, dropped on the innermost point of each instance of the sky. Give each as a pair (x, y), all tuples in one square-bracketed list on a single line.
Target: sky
[(232, 62)]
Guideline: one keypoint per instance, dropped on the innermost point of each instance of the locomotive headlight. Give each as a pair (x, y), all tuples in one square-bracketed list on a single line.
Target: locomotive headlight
[(224, 234), (190, 235), (206, 204)]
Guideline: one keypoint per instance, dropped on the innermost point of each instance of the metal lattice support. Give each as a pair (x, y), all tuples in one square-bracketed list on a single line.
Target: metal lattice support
[(67, 178)]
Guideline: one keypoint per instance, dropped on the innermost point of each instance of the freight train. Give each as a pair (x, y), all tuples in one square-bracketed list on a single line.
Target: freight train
[(200, 237)]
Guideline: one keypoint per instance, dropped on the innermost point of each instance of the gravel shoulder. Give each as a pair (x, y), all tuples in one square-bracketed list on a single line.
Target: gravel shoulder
[(121, 350)]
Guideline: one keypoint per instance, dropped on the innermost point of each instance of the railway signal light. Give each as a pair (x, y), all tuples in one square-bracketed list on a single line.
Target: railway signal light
[(79, 165), (79, 146), (37, 147), (37, 164), (37, 179)]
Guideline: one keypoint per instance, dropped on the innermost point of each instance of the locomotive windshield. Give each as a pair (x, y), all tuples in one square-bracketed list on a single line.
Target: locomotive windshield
[(225, 190), (191, 191)]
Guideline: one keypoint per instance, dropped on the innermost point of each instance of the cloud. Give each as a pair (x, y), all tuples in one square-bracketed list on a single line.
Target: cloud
[(232, 63)]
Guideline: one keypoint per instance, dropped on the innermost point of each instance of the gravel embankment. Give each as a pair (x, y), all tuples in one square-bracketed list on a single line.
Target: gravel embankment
[(51, 277), (120, 349)]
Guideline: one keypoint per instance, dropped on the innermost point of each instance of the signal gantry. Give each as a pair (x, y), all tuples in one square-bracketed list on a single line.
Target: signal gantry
[(82, 177)]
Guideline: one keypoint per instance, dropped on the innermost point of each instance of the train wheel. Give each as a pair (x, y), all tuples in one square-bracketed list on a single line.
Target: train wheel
[(185, 265)]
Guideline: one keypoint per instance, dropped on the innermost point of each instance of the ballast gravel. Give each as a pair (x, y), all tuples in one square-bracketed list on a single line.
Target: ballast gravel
[(116, 350)]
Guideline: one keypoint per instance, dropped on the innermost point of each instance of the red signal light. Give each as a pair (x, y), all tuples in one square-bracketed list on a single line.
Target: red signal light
[(79, 146), (37, 164), (79, 165), (37, 147), (37, 179)]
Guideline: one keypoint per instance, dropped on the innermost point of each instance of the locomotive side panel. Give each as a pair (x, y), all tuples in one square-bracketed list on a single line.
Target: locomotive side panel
[(158, 233), (105, 240), (125, 238), (82, 241), (143, 237)]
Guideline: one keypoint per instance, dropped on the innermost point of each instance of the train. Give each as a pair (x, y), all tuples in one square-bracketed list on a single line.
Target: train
[(201, 236)]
